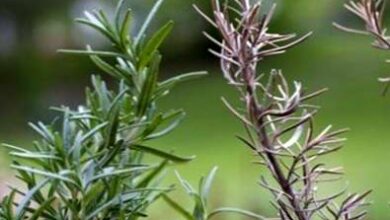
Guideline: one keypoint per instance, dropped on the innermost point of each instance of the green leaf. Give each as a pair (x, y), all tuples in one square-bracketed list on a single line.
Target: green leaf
[(13, 147), (199, 212), (186, 185), (148, 20), (92, 132), (66, 130), (162, 154), (125, 29), (118, 10), (100, 209), (102, 100), (93, 19), (7, 205), (40, 211), (101, 15), (153, 125), (42, 173), (42, 130), (184, 213), (92, 52), (28, 197), (177, 116), (94, 192), (148, 87), (169, 83), (34, 155), (153, 44), (72, 207), (59, 146), (152, 175), (79, 143), (111, 173), (113, 120), (97, 27), (104, 65), (206, 186)]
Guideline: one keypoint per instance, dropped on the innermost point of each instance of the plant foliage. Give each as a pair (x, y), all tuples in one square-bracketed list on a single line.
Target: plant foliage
[(90, 164), (200, 197), (277, 118)]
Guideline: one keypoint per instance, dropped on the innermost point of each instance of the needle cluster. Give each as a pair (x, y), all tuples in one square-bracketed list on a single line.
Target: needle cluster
[(90, 163), (277, 117)]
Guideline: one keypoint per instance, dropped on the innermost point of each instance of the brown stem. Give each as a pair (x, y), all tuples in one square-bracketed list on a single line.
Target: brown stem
[(255, 110), (281, 179)]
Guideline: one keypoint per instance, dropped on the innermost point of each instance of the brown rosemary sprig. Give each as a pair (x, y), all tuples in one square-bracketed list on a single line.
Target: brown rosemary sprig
[(278, 122), (371, 12)]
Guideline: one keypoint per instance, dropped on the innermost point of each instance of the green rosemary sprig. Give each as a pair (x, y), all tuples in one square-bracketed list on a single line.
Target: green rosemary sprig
[(91, 165)]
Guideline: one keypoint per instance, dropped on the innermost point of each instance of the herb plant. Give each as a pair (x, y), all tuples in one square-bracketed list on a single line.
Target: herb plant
[(277, 117), (371, 12), (90, 164)]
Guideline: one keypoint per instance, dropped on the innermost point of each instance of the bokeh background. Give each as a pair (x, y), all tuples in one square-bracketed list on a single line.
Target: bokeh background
[(33, 77)]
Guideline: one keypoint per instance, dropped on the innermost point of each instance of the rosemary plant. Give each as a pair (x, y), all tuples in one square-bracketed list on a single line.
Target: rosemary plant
[(277, 118), (371, 12), (91, 165)]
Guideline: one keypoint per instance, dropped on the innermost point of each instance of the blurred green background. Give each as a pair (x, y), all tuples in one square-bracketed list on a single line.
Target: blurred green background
[(33, 77)]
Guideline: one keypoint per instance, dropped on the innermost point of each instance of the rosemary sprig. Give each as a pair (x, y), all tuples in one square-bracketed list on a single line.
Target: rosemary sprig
[(278, 122), (92, 166)]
